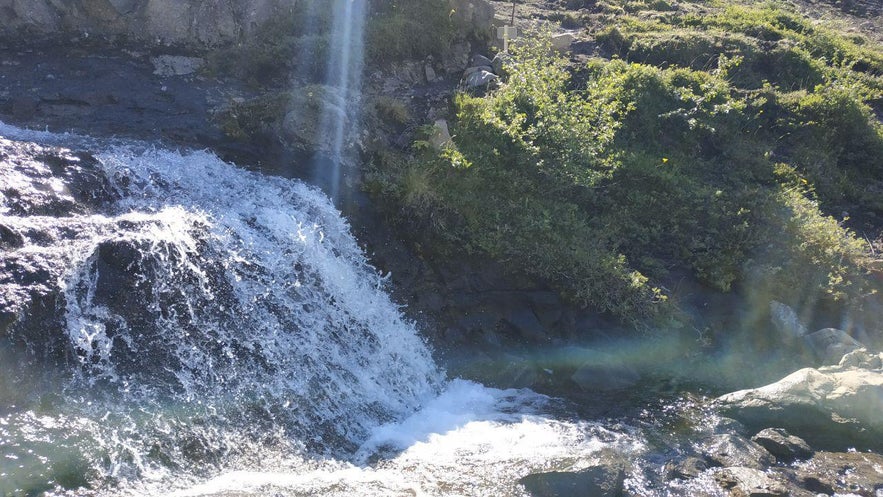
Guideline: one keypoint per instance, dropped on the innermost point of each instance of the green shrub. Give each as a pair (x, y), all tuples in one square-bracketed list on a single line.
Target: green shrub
[(605, 184)]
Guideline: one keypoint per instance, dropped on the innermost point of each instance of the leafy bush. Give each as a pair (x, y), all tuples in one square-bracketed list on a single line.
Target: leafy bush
[(604, 184)]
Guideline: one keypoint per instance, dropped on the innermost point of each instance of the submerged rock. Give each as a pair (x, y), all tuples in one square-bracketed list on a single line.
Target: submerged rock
[(605, 376), (598, 481)]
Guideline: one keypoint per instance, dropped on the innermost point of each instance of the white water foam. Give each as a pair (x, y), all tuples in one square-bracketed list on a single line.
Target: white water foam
[(471, 440)]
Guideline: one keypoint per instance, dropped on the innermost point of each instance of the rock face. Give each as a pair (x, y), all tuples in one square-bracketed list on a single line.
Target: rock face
[(830, 407), (34, 182), (178, 22)]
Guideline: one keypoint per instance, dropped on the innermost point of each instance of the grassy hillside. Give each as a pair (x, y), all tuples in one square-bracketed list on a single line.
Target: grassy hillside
[(714, 139)]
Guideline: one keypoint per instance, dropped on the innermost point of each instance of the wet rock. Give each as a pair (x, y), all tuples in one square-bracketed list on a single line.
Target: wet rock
[(516, 372), (830, 407), (308, 106), (41, 181), (9, 238), (783, 445), (598, 481), (786, 322), (685, 469), (749, 482), (732, 450), (842, 473), (830, 344)]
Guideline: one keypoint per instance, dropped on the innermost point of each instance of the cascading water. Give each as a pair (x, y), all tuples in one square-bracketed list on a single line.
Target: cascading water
[(343, 76), (224, 333)]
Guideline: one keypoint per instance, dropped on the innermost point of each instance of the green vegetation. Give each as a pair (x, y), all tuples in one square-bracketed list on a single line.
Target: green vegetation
[(712, 144), (399, 29)]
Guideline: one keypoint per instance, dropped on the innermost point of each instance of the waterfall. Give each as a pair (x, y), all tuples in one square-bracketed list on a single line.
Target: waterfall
[(206, 289), (344, 76), (188, 327)]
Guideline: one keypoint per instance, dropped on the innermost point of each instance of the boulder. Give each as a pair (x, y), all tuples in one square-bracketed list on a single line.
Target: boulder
[(440, 137), (477, 15), (481, 79), (473, 69), (597, 481), (830, 407), (430, 73), (830, 344), (562, 41), (479, 60), (308, 106), (732, 450), (501, 60), (783, 445), (10, 238), (862, 359)]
